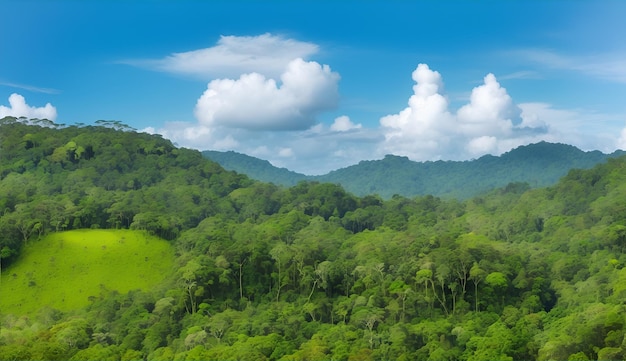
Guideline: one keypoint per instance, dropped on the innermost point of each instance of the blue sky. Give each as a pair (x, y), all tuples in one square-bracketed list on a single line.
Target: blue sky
[(318, 85)]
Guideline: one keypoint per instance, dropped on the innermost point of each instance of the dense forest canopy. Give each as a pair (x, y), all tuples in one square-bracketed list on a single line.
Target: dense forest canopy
[(312, 272)]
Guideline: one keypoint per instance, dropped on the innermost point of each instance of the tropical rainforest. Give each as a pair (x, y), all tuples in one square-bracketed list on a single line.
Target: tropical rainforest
[(256, 271)]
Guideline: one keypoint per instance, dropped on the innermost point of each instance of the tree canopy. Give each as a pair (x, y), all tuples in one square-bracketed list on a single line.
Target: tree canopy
[(313, 272)]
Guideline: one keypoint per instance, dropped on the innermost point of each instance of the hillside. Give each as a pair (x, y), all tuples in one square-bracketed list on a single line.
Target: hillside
[(68, 270), (60, 178), (309, 272), (255, 168), (539, 165)]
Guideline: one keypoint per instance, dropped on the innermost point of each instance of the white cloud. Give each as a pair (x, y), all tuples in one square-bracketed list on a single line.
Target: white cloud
[(423, 128), (197, 136), (534, 113), (428, 109), (18, 108), (285, 152), (316, 129), (427, 130), (583, 128), (344, 124), (482, 145), (244, 113), (256, 102), (491, 110), (621, 141), (265, 54), (149, 130)]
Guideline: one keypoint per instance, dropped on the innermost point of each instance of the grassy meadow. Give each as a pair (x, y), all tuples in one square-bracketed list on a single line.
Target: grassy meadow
[(65, 270)]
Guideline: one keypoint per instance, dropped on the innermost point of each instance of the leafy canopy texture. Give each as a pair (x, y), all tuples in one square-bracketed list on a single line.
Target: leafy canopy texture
[(308, 272)]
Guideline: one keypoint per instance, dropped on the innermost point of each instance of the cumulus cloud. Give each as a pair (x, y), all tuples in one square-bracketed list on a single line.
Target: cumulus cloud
[(428, 130), (265, 54), (256, 102), (428, 109), (18, 108), (422, 129), (242, 115), (344, 124), (265, 85), (491, 110)]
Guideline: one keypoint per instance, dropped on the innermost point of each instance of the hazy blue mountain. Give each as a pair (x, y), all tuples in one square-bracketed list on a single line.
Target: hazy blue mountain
[(254, 168), (539, 165)]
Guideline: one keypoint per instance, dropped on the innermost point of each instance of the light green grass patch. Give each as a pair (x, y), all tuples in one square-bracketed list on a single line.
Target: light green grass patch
[(64, 270)]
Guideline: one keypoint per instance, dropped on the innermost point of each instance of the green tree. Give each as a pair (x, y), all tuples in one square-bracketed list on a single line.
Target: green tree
[(477, 275)]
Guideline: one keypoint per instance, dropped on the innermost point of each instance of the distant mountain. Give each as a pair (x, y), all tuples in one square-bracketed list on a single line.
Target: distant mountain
[(539, 165), (254, 168)]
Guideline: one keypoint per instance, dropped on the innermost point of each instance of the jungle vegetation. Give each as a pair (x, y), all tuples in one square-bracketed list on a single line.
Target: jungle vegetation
[(311, 272)]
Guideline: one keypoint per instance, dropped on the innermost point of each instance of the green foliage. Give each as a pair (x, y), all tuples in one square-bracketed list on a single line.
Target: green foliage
[(102, 177), (246, 270), (68, 270)]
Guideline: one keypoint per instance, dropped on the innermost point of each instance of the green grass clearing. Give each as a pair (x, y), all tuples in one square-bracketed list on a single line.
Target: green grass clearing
[(64, 270)]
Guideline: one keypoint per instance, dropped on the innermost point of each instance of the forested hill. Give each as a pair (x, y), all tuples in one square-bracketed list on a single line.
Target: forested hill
[(56, 178), (309, 272), (539, 165), (255, 168)]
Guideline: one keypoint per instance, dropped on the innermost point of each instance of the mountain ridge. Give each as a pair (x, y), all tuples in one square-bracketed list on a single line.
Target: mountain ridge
[(538, 164)]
